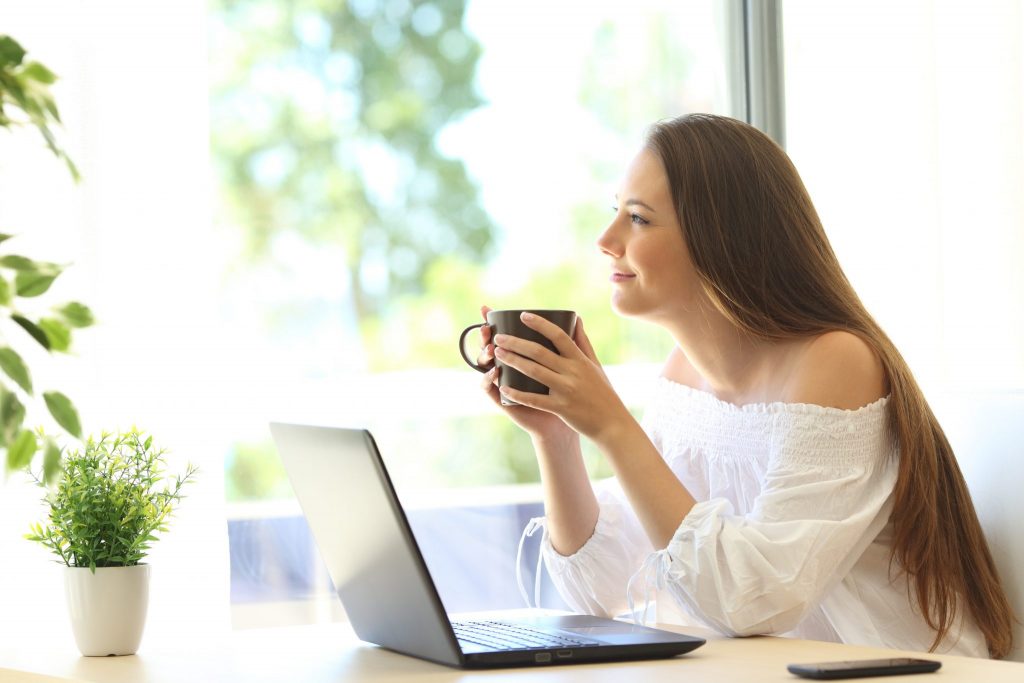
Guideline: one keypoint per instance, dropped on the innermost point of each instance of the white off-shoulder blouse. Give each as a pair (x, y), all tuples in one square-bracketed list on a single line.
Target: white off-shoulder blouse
[(790, 534)]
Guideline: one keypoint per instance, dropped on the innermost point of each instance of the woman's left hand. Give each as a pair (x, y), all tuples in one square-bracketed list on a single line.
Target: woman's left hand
[(578, 389)]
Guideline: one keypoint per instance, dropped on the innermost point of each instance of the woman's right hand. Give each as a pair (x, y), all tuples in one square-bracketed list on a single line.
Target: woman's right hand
[(537, 423)]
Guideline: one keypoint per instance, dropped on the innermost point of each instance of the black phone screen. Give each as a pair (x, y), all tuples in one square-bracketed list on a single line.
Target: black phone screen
[(864, 667)]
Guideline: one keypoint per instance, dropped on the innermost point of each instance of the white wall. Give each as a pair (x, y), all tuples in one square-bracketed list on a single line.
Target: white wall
[(133, 93), (906, 121)]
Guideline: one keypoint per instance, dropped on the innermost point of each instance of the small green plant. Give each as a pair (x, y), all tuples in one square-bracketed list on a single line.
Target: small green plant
[(111, 500)]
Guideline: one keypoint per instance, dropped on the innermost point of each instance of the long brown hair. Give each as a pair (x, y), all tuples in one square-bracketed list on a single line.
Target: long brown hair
[(763, 258)]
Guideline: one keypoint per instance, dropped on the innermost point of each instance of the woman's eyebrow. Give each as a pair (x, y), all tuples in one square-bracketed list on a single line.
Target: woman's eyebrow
[(637, 202)]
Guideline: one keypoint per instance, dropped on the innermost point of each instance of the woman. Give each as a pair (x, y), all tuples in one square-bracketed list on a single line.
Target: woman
[(789, 476)]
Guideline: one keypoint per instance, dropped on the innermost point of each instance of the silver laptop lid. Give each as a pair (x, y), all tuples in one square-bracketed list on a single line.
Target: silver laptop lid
[(365, 540)]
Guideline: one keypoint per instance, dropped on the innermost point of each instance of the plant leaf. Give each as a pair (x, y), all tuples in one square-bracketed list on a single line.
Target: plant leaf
[(51, 107), (12, 415), (11, 53), (5, 292), (34, 330), (57, 332), (15, 262), (63, 412), (72, 169), (19, 453), (14, 367), (75, 314), (5, 236), (51, 461), (37, 72), (33, 282)]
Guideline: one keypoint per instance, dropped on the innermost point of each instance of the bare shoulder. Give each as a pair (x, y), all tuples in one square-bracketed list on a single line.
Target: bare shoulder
[(838, 370)]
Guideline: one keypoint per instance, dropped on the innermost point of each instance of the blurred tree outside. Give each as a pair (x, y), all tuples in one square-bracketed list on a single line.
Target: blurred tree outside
[(454, 287), (325, 119)]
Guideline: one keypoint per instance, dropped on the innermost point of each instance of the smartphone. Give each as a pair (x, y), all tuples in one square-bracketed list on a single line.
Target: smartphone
[(864, 667)]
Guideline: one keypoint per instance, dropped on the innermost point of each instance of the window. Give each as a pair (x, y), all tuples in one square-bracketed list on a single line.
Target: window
[(384, 168)]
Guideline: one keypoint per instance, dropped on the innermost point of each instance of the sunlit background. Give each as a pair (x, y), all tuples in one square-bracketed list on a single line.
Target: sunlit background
[(290, 209)]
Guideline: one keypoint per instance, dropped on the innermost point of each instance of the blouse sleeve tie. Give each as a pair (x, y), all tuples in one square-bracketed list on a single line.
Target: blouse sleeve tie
[(531, 528), (652, 572)]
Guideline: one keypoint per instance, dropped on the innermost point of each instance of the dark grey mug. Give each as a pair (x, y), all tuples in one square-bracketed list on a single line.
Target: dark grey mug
[(508, 322)]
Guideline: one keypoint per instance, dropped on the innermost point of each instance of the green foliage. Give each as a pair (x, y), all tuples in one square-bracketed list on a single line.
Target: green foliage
[(484, 451), (25, 97), (421, 331), (325, 116), (665, 60), (111, 500), (254, 472), (25, 100), (52, 331)]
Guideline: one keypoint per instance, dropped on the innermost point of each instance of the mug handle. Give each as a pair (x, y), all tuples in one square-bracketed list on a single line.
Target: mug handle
[(462, 348)]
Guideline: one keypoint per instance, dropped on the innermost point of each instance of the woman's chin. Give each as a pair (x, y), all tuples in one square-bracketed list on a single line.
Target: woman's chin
[(620, 306)]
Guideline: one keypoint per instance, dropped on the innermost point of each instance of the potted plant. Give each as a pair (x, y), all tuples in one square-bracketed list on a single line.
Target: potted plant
[(25, 101), (111, 499)]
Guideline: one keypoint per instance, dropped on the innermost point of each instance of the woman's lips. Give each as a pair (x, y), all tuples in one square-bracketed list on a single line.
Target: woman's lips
[(621, 277)]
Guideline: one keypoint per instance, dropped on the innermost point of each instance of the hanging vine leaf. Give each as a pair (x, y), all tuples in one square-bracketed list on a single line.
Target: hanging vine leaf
[(12, 415), (19, 453), (51, 461), (34, 330), (28, 283), (14, 367), (75, 314), (63, 412), (15, 262), (57, 332), (11, 53)]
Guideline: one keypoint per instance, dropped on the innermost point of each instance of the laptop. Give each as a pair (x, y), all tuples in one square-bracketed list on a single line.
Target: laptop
[(383, 582)]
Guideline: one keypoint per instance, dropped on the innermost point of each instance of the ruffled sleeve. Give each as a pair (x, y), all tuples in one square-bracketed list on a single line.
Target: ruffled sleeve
[(826, 495), (593, 580)]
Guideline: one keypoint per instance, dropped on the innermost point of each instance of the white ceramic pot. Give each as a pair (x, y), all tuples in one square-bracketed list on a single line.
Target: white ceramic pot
[(108, 608)]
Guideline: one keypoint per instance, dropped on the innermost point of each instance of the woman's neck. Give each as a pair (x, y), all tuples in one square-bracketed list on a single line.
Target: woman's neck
[(714, 355)]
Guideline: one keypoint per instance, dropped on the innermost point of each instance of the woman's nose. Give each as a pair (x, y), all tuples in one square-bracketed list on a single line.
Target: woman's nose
[(609, 242)]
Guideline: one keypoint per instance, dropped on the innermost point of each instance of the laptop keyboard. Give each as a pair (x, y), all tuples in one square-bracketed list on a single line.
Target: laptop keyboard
[(501, 635)]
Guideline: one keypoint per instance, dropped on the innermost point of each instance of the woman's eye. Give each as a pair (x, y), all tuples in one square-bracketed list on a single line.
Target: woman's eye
[(634, 218)]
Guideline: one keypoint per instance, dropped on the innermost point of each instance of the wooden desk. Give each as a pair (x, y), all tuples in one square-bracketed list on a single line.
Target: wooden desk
[(331, 653)]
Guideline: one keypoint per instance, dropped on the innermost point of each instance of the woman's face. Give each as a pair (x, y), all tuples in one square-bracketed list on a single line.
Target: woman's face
[(652, 275)]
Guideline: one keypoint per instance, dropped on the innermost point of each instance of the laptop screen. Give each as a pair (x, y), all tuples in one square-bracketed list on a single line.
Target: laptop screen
[(364, 537)]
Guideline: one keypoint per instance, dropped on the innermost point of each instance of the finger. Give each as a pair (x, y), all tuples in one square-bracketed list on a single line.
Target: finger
[(527, 398), (485, 331), (530, 368), (558, 337), (489, 384), (583, 341), (529, 349), (486, 356), (486, 349)]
